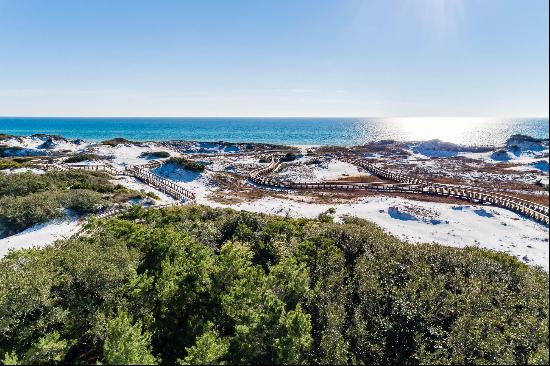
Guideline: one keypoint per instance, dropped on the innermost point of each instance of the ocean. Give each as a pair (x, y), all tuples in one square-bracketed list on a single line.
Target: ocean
[(289, 131)]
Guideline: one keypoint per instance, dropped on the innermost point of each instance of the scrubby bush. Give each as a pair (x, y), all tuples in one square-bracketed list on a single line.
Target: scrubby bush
[(21, 159), (27, 198), (152, 195), (125, 344), (200, 285), (83, 201), (9, 164), (116, 141), (26, 183), (186, 164), (19, 213), (155, 154), (82, 157), (290, 156)]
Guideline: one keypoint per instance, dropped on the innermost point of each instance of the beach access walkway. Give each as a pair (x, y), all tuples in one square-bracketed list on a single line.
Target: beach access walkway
[(142, 172), (402, 183)]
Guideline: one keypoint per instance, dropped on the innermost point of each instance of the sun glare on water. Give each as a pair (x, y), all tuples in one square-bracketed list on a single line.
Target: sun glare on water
[(450, 129)]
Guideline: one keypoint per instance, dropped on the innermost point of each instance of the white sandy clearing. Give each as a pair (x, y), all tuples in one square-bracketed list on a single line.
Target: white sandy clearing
[(40, 235), (123, 154), (454, 225), (137, 185), (200, 183), (232, 163), (303, 170)]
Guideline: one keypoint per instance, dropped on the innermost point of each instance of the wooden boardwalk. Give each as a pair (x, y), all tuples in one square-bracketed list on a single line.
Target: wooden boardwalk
[(533, 210), (141, 172), (164, 185), (406, 184)]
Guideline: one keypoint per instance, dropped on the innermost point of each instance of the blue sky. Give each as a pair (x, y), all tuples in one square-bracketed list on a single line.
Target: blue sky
[(274, 58)]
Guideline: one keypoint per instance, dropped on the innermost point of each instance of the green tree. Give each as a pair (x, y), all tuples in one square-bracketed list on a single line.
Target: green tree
[(209, 349), (49, 349), (125, 344), (10, 358)]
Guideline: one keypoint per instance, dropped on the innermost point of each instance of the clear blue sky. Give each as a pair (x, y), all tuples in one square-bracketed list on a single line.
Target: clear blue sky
[(274, 58)]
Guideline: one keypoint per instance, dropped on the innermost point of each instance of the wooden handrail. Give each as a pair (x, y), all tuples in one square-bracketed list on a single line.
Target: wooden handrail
[(406, 184)]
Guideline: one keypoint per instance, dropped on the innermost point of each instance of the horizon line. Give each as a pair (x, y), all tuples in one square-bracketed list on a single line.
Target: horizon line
[(274, 117)]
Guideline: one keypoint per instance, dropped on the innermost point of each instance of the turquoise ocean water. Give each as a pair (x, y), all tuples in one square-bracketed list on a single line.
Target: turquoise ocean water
[(291, 131)]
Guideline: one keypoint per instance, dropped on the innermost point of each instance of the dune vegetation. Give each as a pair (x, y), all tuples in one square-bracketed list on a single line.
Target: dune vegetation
[(77, 158), (155, 154), (197, 285), (185, 163), (27, 198)]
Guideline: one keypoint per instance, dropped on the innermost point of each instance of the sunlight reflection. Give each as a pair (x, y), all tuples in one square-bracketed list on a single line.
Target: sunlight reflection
[(450, 129)]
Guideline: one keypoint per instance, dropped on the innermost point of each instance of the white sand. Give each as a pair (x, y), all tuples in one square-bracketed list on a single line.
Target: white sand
[(307, 169), (135, 184), (40, 235), (455, 225), (413, 221)]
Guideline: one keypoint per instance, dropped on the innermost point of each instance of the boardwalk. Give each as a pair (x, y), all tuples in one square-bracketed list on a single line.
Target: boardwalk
[(141, 172), (534, 210), (406, 184), (164, 185)]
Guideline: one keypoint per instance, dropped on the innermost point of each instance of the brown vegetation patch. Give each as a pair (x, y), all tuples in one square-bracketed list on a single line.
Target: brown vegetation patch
[(232, 190), (541, 200), (358, 179), (117, 141)]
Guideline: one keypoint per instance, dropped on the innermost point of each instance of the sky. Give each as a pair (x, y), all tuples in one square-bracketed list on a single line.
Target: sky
[(363, 58)]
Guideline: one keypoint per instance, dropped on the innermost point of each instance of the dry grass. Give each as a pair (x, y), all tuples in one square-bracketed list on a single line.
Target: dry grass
[(358, 179), (541, 200), (233, 188)]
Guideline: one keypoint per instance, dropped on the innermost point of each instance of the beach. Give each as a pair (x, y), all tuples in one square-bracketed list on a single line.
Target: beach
[(518, 167)]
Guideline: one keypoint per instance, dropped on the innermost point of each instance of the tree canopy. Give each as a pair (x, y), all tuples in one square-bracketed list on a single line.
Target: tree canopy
[(197, 285)]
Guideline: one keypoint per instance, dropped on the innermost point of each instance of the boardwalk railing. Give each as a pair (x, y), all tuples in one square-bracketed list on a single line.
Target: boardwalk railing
[(141, 172), (406, 184), (162, 184), (258, 176), (534, 210)]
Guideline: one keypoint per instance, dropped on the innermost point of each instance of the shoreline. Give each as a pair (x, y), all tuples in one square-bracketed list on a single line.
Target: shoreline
[(6, 136)]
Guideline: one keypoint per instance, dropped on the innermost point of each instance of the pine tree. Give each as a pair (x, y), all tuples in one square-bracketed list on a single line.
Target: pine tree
[(125, 343)]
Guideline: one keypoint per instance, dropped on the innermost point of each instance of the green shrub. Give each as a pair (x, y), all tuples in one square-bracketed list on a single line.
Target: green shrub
[(21, 159), (201, 285), (9, 164), (26, 183), (155, 154), (186, 164), (125, 344), (82, 157), (28, 199), (22, 184), (19, 213), (83, 201), (116, 141), (152, 195)]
